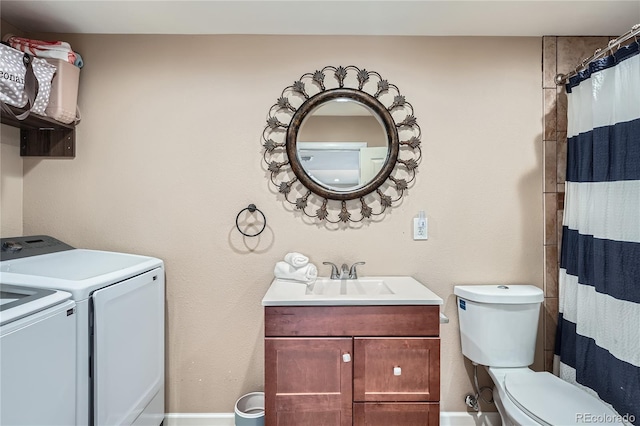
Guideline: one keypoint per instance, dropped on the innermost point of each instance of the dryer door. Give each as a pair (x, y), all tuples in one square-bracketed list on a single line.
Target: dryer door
[(128, 348)]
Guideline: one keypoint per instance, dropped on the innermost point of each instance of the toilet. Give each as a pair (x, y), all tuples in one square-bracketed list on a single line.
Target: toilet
[(498, 327)]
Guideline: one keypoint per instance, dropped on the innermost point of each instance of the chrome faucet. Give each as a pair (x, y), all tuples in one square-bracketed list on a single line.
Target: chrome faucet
[(353, 274), (335, 274), (344, 272)]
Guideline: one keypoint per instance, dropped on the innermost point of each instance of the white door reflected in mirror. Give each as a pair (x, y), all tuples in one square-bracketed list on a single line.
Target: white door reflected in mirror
[(371, 162)]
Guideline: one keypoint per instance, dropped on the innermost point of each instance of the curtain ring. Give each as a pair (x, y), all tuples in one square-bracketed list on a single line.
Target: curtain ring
[(252, 209)]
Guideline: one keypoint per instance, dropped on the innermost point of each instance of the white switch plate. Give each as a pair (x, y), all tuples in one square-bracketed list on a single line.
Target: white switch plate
[(420, 230)]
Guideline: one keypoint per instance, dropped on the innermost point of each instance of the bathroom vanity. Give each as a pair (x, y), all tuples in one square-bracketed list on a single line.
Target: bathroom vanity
[(352, 357)]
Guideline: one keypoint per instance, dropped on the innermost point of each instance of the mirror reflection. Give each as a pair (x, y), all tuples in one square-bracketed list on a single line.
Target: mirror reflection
[(342, 145)]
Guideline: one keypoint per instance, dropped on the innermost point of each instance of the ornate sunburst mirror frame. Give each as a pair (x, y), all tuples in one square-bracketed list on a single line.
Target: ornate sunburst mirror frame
[(342, 144)]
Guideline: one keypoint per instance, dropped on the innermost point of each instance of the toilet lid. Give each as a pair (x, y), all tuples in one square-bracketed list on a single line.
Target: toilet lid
[(552, 401)]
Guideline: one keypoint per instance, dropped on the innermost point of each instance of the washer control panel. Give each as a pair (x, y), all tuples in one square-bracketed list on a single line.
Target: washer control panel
[(35, 245)]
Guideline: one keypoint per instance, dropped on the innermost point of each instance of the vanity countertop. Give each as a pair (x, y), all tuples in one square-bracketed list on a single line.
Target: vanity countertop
[(378, 290)]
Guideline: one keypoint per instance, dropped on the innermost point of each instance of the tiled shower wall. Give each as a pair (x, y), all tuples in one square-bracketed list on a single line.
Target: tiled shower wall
[(559, 55)]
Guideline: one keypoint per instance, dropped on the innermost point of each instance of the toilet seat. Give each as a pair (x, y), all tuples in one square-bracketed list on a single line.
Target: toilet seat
[(550, 400)]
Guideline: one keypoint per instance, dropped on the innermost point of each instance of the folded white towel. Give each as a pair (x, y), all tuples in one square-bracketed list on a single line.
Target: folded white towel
[(305, 274), (296, 259)]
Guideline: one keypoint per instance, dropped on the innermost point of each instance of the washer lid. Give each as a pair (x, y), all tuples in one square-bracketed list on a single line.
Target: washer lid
[(552, 401), (18, 302), (500, 294)]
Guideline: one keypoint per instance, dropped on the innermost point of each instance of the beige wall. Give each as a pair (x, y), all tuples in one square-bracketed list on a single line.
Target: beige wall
[(343, 129), (10, 182), (169, 151)]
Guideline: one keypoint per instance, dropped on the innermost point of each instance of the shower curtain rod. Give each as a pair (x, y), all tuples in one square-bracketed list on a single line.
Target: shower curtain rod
[(599, 53)]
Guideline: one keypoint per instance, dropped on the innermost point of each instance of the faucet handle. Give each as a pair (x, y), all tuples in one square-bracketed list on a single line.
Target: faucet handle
[(334, 270), (353, 273)]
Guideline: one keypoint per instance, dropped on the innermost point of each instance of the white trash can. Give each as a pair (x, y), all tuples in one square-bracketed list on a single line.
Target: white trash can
[(250, 409)]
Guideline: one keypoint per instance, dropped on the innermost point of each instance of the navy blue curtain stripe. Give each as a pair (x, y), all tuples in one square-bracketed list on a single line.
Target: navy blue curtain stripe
[(612, 267), (621, 383), (620, 55), (605, 154)]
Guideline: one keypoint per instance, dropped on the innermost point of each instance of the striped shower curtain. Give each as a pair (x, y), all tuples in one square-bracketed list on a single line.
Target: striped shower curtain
[(598, 335)]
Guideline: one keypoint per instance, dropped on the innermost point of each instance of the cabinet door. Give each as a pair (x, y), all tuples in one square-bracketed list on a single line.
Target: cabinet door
[(396, 414), (308, 381), (396, 369)]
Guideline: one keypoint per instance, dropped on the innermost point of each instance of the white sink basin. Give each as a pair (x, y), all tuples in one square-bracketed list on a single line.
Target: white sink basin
[(387, 290), (364, 286)]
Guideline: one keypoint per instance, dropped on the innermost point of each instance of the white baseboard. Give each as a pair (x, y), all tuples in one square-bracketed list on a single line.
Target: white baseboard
[(450, 418), (463, 418), (199, 419)]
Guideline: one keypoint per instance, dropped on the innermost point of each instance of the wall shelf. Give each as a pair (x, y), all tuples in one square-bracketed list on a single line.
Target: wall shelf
[(43, 136)]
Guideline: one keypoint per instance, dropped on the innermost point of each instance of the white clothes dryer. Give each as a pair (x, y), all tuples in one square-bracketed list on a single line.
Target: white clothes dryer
[(37, 357), (120, 321)]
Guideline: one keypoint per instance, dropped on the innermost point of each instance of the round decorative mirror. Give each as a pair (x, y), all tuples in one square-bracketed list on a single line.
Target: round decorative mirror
[(350, 137)]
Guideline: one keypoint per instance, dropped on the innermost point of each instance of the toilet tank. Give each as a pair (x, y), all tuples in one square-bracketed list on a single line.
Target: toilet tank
[(499, 323)]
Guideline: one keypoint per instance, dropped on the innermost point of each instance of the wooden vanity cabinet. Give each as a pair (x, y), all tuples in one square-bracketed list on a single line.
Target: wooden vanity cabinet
[(352, 365)]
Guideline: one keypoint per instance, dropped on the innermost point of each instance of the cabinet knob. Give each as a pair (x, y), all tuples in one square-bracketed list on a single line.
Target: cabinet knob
[(346, 357), (397, 371)]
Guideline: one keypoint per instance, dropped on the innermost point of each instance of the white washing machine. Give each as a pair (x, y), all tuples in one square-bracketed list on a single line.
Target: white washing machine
[(120, 324), (37, 357)]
